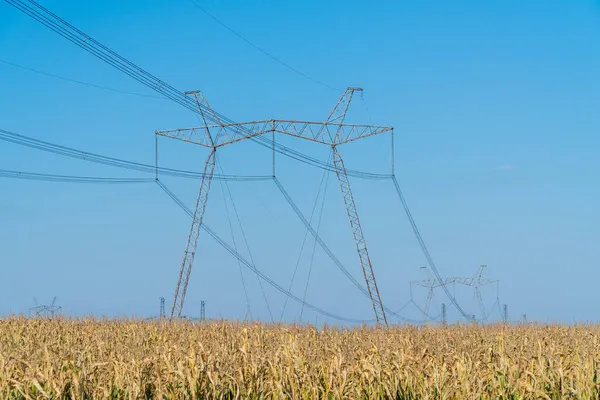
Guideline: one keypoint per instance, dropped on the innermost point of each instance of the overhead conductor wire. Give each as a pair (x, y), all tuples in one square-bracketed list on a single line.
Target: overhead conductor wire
[(49, 147), (424, 247), (272, 57), (33, 176), (88, 84), (314, 248), (237, 215), (304, 241), (248, 309)]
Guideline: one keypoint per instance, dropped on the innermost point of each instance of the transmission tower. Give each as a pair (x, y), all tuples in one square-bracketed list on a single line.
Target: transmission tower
[(476, 282), (332, 132), (202, 310), (505, 314), (45, 311), (162, 308), (430, 284)]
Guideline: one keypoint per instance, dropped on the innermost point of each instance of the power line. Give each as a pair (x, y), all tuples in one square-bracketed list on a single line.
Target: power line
[(70, 152), (306, 237), (93, 85), (33, 176), (272, 57), (424, 247), (314, 248), (248, 310)]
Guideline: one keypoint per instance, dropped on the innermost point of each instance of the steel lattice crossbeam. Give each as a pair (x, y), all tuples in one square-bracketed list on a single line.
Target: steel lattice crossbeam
[(320, 132)]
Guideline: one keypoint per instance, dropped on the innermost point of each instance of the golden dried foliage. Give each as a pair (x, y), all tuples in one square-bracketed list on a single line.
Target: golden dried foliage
[(128, 359)]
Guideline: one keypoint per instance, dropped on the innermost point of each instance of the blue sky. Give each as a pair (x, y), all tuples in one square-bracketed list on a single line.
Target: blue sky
[(494, 106)]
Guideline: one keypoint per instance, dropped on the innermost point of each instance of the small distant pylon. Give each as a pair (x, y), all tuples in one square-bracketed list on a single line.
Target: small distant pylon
[(505, 314), (202, 310), (45, 311), (162, 307), (476, 282)]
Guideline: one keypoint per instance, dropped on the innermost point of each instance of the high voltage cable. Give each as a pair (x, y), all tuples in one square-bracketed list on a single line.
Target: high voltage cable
[(33, 176), (272, 57), (86, 42), (312, 256), (239, 221), (22, 140), (248, 309), (424, 247), (93, 85), (325, 174)]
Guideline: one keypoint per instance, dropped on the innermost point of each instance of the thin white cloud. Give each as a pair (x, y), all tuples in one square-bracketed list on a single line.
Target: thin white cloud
[(504, 168)]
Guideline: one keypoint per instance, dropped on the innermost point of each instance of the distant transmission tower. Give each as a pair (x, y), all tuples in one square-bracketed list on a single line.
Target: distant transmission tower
[(202, 310), (162, 308), (430, 284), (505, 314), (331, 132), (45, 311), (476, 281)]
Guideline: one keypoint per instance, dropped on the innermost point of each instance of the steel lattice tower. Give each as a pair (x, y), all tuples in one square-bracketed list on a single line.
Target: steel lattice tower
[(332, 132), (47, 311), (162, 308), (476, 282)]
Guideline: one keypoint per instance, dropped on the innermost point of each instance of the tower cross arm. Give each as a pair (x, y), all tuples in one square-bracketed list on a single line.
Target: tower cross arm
[(433, 282), (319, 132), (221, 134), (325, 132)]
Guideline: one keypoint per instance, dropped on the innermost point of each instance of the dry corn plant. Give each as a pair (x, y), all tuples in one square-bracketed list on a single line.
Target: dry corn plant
[(129, 359)]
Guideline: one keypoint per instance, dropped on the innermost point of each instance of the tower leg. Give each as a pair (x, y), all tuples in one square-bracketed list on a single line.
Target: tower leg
[(361, 245), (428, 304), (190, 250)]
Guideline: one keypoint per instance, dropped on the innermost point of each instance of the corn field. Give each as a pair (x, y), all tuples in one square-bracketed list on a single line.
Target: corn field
[(129, 359)]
